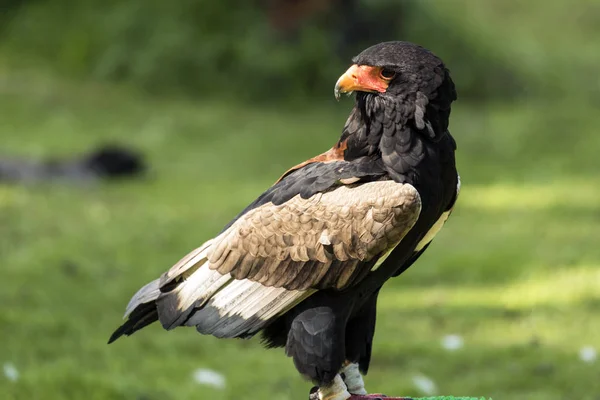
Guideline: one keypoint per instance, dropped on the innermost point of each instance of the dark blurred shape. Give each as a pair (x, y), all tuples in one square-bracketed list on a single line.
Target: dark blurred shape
[(544, 369), (7, 6), (69, 268), (107, 162), (289, 15), (114, 162), (349, 23)]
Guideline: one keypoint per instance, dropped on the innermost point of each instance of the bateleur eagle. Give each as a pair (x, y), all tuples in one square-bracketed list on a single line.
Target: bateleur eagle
[(304, 262)]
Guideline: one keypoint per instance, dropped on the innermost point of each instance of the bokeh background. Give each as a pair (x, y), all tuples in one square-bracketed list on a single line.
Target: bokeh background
[(221, 97)]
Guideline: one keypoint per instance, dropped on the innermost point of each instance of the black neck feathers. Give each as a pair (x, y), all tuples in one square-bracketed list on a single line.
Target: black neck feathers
[(398, 129)]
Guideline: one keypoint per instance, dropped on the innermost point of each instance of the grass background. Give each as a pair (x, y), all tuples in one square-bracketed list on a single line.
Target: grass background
[(515, 272)]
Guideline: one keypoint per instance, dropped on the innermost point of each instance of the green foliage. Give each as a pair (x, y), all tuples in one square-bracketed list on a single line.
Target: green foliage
[(202, 47), (193, 46)]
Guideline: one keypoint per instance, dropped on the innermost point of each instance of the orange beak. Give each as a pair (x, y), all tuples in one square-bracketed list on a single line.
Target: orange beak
[(361, 78)]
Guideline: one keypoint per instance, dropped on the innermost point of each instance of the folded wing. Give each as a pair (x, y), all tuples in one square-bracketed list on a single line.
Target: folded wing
[(281, 251)]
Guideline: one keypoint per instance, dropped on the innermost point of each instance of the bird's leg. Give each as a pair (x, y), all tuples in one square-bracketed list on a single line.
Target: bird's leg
[(353, 379), (336, 390)]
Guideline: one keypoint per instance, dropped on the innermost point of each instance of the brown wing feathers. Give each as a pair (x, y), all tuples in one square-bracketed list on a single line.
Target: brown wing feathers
[(295, 245)]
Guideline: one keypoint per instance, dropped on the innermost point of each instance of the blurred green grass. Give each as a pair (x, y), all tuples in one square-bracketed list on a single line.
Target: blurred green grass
[(515, 272), (496, 48)]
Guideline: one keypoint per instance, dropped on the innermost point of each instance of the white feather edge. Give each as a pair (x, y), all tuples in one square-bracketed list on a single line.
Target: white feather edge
[(434, 230), (226, 307), (243, 306), (189, 261), (146, 294), (151, 291), (199, 287)]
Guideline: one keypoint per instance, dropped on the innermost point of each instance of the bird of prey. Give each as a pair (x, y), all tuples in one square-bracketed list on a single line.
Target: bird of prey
[(304, 262)]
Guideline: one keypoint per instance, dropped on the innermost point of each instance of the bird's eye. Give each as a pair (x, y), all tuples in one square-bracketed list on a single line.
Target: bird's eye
[(387, 73)]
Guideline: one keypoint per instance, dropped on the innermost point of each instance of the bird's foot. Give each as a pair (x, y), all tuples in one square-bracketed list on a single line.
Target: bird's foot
[(353, 379), (314, 393), (335, 391), (376, 397), (368, 396)]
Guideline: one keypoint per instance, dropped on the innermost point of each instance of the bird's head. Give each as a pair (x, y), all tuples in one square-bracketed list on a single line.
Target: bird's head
[(401, 81), (397, 70)]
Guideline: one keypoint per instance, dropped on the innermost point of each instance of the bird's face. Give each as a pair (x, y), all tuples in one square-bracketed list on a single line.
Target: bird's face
[(393, 70), (364, 78)]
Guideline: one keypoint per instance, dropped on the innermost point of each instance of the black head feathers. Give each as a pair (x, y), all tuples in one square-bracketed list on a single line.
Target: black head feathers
[(397, 54), (417, 69)]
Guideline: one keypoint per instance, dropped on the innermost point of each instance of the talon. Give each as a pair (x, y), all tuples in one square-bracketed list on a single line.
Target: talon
[(335, 391), (314, 393)]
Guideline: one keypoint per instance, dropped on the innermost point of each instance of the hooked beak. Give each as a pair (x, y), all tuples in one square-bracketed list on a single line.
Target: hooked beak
[(361, 78)]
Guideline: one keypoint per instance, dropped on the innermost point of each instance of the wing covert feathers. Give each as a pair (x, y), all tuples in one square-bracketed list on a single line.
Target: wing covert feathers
[(299, 244)]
